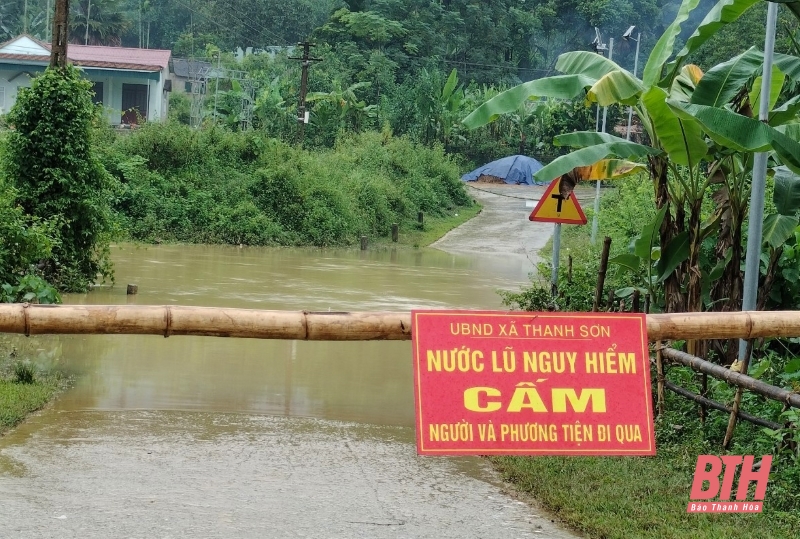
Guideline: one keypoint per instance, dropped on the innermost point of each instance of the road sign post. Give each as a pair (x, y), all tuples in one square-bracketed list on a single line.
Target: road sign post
[(554, 207), (556, 255)]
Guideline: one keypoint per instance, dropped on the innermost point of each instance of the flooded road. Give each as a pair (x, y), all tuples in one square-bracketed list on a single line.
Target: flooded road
[(205, 437)]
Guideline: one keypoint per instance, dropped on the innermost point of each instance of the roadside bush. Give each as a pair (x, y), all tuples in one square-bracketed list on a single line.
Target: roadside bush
[(51, 161), (24, 241), (246, 188)]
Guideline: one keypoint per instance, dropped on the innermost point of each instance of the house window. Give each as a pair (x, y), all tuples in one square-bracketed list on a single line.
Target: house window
[(97, 89)]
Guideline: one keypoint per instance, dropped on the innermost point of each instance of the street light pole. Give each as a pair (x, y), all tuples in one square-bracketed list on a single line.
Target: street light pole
[(754, 230), (635, 68), (595, 222)]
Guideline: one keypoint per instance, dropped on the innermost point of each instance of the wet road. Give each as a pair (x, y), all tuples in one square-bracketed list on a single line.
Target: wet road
[(204, 437)]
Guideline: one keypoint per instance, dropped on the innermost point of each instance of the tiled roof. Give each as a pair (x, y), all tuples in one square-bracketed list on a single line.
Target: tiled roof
[(104, 57)]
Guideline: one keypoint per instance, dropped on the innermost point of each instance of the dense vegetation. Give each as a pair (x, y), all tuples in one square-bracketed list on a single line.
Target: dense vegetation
[(388, 61), (51, 160), (215, 186)]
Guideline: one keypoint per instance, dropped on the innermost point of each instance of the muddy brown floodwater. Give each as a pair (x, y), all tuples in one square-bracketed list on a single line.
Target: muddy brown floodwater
[(204, 437)]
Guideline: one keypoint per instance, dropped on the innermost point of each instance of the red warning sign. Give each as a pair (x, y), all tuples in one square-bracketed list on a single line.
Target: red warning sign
[(505, 383), (554, 208)]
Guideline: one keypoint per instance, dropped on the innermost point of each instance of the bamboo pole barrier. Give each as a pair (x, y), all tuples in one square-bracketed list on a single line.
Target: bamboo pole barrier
[(721, 407), (335, 326), (209, 321), (735, 378)]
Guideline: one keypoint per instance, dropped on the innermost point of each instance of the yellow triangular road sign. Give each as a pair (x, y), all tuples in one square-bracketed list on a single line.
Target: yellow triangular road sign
[(553, 208)]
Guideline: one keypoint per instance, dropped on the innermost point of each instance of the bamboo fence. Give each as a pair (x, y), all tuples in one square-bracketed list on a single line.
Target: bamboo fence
[(170, 320)]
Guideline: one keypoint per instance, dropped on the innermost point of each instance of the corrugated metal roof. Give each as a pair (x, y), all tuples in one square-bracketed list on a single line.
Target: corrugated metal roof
[(118, 56), (102, 57)]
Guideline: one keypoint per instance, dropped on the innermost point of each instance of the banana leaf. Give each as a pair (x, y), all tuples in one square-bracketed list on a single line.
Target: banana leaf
[(786, 112), (722, 82), (724, 12), (741, 133), (778, 228), (776, 84), (615, 87), (675, 252), (787, 193), (591, 155), (559, 86), (788, 64), (685, 83), (643, 246), (589, 64), (681, 137), (582, 139), (666, 44), (608, 169)]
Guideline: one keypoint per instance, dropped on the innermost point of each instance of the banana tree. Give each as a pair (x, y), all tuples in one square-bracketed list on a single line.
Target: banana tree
[(681, 159), (342, 106)]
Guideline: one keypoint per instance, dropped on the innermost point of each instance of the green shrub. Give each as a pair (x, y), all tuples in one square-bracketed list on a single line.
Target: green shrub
[(24, 373), (214, 185), (51, 161)]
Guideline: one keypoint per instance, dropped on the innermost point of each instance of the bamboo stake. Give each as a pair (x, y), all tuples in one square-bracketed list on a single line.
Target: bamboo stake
[(660, 378), (704, 394), (569, 269), (337, 326), (601, 275), (721, 407), (737, 399), (735, 378)]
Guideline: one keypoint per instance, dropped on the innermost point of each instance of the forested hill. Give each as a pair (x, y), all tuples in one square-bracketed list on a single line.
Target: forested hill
[(488, 41)]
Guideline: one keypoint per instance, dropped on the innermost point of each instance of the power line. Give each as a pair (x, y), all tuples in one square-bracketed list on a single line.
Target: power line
[(259, 33), (244, 14)]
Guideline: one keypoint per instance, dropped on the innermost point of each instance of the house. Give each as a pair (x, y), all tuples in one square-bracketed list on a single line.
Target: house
[(129, 83)]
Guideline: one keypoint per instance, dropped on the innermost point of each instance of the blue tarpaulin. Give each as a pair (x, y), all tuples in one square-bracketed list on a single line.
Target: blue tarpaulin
[(517, 169)]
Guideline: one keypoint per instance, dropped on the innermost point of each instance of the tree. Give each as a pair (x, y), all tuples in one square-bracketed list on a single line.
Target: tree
[(106, 23), (52, 164)]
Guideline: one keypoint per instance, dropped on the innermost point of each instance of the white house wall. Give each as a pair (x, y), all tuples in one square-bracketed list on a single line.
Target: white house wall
[(10, 88), (112, 92)]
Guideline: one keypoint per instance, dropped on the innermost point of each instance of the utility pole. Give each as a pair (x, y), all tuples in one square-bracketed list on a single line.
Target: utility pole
[(306, 61), (88, 10), (58, 50)]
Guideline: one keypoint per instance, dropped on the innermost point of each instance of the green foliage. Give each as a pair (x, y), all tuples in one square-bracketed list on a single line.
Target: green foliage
[(217, 186), (52, 164), (31, 289), (24, 373), (180, 108)]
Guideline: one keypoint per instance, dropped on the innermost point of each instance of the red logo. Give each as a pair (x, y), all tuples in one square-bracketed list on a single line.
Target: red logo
[(708, 470)]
